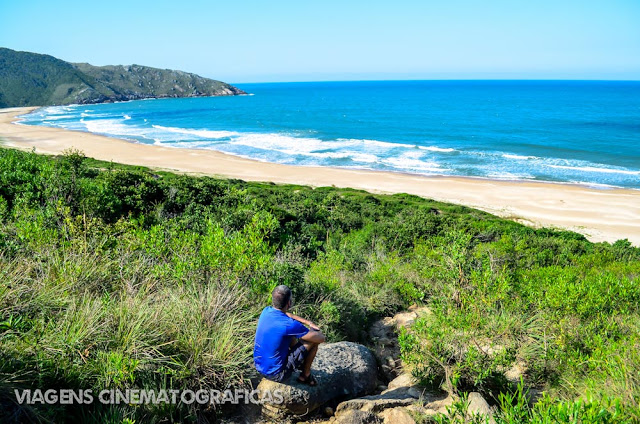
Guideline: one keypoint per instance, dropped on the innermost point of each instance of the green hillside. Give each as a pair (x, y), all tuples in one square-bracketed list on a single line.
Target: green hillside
[(30, 79), (118, 277)]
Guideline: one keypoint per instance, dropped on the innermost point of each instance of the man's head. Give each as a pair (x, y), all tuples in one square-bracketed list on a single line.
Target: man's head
[(281, 297)]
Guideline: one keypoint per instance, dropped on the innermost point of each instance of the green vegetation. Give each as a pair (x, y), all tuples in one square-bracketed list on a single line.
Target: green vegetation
[(30, 79), (119, 277)]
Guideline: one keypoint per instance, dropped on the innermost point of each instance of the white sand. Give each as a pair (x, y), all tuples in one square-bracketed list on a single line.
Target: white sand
[(601, 215)]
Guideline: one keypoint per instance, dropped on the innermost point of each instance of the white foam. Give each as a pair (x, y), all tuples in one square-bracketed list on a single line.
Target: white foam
[(117, 128), (354, 156), (305, 145), (57, 117), (509, 176), (518, 157), (190, 144), (380, 144), (413, 154), (364, 157), (308, 149), (437, 149), (97, 115), (54, 109), (595, 169), (197, 133), (403, 163), (283, 143), (356, 150)]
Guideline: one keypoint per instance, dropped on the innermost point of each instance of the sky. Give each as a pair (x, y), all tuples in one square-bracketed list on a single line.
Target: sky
[(267, 41)]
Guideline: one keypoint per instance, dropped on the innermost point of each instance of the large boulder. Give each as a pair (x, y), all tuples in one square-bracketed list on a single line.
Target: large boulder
[(343, 370)]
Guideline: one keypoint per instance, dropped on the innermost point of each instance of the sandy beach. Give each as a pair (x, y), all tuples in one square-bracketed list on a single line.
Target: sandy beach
[(599, 214)]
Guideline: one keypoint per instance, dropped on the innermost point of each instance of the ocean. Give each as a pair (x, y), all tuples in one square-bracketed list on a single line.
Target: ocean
[(581, 132)]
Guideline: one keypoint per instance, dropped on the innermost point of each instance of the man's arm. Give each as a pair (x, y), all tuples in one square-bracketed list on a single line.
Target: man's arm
[(303, 321), (314, 335)]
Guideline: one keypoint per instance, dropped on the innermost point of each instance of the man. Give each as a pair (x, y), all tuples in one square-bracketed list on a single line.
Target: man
[(283, 341)]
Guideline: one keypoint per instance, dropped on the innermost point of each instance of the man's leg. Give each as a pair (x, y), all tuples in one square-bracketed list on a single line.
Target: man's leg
[(312, 349)]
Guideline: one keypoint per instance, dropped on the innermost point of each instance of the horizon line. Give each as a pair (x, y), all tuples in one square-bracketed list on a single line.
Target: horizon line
[(444, 79)]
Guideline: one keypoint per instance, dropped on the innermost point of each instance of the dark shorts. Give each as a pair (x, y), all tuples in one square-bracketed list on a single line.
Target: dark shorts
[(296, 356)]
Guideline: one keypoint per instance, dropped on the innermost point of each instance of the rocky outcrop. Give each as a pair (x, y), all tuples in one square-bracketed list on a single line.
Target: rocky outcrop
[(135, 82), (402, 396), (384, 335), (343, 370), (397, 406), (346, 374)]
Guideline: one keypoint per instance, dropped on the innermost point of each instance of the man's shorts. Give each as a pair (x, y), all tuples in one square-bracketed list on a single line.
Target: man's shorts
[(297, 354)]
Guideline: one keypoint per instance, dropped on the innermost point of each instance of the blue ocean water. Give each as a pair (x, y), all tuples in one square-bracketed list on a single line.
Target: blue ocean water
[(584, 132)]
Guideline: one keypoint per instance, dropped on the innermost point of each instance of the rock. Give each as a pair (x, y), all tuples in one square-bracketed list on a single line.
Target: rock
[(476, 405), (354, 416), (391, 362), (516, 372), (438, 403), (385, 341), (404, 383), (414, 392), (421, 410), (328, 411), (343, 370), (396, 416), (384, 335), (381, 388), (383, 329), (377, 403), (405, 319), (403, 380)]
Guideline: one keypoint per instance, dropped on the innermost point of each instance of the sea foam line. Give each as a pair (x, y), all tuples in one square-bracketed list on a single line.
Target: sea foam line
[(197, 133), (595, 169), (518, 157)]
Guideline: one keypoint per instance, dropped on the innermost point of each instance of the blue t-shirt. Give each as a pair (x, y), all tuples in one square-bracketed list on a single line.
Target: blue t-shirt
[(273, 337)]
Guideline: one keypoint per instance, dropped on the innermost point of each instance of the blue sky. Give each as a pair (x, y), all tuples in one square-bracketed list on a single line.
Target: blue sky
[(256, 41)]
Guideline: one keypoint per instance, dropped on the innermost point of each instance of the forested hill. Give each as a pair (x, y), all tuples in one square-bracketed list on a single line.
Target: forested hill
[(31, 79)]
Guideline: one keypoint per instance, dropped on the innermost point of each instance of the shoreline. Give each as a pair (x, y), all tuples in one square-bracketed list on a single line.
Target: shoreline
[(601, 214)]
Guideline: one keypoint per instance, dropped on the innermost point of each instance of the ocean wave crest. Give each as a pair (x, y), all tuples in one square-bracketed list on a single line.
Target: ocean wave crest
[(518, 157)]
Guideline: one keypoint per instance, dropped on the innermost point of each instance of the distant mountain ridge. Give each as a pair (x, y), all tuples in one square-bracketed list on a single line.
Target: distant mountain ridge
[(32, 79)]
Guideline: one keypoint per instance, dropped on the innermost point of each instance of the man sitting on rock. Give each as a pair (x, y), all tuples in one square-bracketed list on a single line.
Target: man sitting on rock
[(283, 343)]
